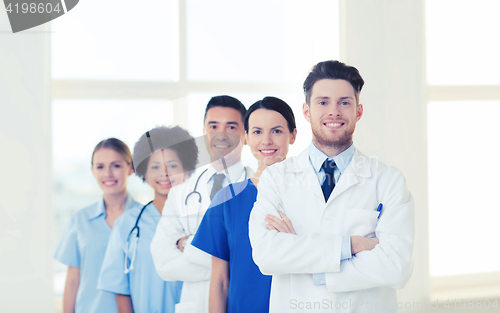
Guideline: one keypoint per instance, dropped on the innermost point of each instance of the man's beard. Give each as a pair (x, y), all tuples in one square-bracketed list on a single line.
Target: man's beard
[(343, 141)]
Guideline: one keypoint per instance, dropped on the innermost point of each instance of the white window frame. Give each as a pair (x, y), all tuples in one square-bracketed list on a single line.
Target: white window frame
[(176, 91), (468, 286)]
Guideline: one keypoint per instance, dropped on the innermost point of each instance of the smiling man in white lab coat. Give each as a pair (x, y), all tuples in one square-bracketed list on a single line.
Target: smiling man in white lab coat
[(334, 227)]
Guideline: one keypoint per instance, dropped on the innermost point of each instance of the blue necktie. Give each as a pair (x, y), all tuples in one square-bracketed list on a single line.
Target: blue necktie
[(329, 182)]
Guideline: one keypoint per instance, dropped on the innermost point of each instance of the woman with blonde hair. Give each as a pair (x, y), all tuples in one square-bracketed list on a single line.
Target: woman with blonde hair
[(85, 238)]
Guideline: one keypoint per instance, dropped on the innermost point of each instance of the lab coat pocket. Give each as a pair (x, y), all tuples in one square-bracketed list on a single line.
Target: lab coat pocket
[(360, 222)]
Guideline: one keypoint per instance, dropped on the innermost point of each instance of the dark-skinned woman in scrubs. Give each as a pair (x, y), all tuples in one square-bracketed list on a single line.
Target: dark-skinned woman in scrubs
[(164, 157)]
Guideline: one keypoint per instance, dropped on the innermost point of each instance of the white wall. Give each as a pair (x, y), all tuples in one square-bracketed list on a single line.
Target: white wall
[(384, 40), (26, 216)]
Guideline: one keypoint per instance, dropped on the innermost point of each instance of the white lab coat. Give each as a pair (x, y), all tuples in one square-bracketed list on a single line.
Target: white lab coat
[(364, 283), (194, 266)]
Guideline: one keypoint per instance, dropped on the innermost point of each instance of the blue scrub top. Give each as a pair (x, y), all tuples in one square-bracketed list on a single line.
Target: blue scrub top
[(223, 233), (83, 245), (148, 291)]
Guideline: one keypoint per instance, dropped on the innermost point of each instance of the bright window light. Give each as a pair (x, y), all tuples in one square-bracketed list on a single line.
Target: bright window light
[(116, 40), (463, 187), (462, 42), (78, 125), (259, 41)]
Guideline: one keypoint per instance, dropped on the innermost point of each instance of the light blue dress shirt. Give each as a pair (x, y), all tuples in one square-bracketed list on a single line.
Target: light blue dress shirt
[(148, 291), (83, 245), (342, 160)]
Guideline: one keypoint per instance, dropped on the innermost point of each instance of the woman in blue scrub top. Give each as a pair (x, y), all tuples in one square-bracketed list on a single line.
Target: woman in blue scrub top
[(164, 156), (85, 238), (237, 285)]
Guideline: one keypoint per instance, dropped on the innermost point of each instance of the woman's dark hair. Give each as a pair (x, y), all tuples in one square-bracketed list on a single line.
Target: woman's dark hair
[(116, 145), (273, 104), (162, 137), (333, 70)]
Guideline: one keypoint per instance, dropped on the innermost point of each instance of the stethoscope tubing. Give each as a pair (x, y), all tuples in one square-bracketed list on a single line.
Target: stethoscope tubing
[(136, 226), (195, 191)]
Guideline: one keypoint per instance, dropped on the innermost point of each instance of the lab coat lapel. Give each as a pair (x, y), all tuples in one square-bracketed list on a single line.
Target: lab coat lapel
[(347, 180), (306, 177), (358, 169)]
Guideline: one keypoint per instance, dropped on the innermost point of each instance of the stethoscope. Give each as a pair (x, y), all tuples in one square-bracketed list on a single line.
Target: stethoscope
[(198, 180), (196, 192), (136, 226)]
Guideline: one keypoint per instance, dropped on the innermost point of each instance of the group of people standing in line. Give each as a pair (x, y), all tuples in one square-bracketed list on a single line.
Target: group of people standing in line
[(313, 232)]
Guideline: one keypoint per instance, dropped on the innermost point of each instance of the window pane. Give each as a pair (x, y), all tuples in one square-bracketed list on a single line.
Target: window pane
[(462, 48), (77, 126), (116, 40), (463, 187), (259, 41)]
